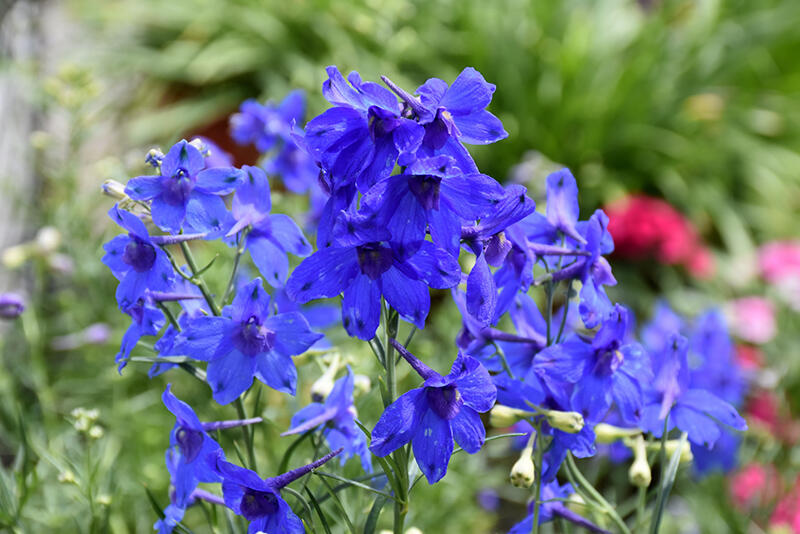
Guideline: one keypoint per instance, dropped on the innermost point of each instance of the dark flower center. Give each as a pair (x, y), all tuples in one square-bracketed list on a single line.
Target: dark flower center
[(426, 190), (178, 187), (608, 362), (381, 122), (444, 401), (374, 259), (139, 255), (189, 442), (438, 131), (256, 504), (253, 337)]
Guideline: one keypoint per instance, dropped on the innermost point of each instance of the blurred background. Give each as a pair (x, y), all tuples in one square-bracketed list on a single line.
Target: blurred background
[(680, 118)]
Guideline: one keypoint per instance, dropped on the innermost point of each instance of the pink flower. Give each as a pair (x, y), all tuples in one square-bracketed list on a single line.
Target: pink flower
[(779, 260), (787, 512), (752, 319), (754, 485), (749, 358)]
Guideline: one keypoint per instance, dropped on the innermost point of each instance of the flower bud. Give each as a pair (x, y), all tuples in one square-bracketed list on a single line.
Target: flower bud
[(639, 473), (671, 446), (11, 306), (48, 239), (324, 384), (361, 385), (413, 530), (609, 434), (67, 477), (154, 158), (103, 499), (503, 416), (570, 422), (523, 472), (96, 432), (114, 189), (16, 256)]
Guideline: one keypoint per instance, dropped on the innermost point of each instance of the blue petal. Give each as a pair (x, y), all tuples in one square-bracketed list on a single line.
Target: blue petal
[(254, 192), (562, 203), (627, 395), (182, 411), (445, 228), (131, 288), (284, 520), (439, 269), (326, 273), (230, 376), (277, 371), (479, 128), (481, 291), (270, 259), (432, 445), (468, 430), (398, 423), (361, 307), (564, 361), (409, 297), (144, 187), (202, 338), (590, 397), (293, 335), (219, 180), (708, 403), (474, 383), (207, 214), (293, 106), (470, 91), (701, 429), (472, 196), (310, 417), (182, 155), (250, 300), (113, 256), (168, 217), (286, 232), (129, 222), (431, 94)]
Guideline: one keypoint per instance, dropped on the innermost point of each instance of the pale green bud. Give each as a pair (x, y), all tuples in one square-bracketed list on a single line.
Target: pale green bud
[(639, 473), (503, 416), (570, 422), (606, 433)]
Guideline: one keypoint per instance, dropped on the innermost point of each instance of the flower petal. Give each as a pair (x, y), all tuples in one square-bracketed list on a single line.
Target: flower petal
[(230, 376), (468, 430), (326, 273), (433, 445), (398, 423)]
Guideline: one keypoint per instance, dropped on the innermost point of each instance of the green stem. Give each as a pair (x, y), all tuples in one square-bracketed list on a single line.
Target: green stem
[(239, 252), (595, 495), (537, 469), (566, 311), (199, 281), (248, 436), (400, 456), (548, 291)]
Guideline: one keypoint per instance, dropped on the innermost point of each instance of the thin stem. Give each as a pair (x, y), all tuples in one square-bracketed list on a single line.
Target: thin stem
[(391, 319), (641, 505), (199, 281), (548, 291), (595, 495), (537, 469), (566, 312), (503, 360), (248, 436), (239, 252)]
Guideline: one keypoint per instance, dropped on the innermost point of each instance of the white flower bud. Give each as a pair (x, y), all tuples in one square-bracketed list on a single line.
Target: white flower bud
[(114, 189), (96, 432), (48, 239), (503, 416), (16, 256), (67, 477), (639, 473), (523, 472), (324, 384), (609, 434), (361, 385), (570, 422)]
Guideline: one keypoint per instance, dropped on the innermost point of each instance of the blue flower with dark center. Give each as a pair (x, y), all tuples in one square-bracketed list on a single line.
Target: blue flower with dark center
[(697, 412), (432, 193), (364, 135), (259, 500), (247, 341), (184, 191), (135, 260), (362, 265), (454, 115), (196, 451), (431, 417), (338, 414), (607, 369)]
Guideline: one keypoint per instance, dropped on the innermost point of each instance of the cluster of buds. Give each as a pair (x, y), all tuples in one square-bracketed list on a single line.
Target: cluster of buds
[(84, 421)]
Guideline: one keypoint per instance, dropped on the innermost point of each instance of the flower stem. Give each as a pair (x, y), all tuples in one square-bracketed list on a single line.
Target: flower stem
[(537, 469), (400, 456), (239, 252), (199, 281)]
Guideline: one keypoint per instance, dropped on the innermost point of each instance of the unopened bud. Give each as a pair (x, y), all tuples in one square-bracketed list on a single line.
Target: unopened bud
[(504, 416), (103, 499), (639, 473), (671, 446), (154, 158), (114, 189), (16, 256), (523, 473), (413, 530), (361, 385), (577, 504), (570, 422), (606, 433), (67, 477), (324, 384), (96, 432), (47, 240)]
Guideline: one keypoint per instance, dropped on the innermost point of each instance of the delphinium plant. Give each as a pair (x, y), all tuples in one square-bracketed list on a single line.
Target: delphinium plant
[(400, 210)]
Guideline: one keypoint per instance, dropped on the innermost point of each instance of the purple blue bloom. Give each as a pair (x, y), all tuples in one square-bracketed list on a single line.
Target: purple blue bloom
[(11, 305)]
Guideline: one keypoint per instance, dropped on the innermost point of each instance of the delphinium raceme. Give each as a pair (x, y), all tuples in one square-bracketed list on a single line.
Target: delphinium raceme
[(398, 205)]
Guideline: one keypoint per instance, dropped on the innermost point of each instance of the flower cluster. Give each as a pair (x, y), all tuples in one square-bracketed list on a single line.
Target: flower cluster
[(402, 206)]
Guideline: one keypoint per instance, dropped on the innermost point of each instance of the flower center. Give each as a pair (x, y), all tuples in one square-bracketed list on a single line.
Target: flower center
[(178, 187), (608, 362), (256, 504), (444, 401), (139, 255), (426, 190), (440, 129), (374, 259), (189, 442), (381, 122), (253, 337)]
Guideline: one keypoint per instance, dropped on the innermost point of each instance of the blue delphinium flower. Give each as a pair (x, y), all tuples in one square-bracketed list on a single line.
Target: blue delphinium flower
[(454, 115), (259, 500), (552, 495), (363, 266), (265, 125), (431, 417), (136, 260), (146, 320), (11, 305), (433, 193), (184, 191), (338, 414), (195, 451), (364, 135), (270, 237), (607, 369), (697, 412), (246, 342)]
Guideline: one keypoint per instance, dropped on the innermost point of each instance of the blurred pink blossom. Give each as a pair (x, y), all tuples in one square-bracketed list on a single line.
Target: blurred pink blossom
[(752, 319)]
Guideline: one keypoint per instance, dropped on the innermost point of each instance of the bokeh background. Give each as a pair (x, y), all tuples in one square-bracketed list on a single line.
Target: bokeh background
[(681, 118)]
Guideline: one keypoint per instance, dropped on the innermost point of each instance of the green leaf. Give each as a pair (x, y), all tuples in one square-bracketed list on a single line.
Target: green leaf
[(374, 514), (667, 482), (339, 505), (319, 511)]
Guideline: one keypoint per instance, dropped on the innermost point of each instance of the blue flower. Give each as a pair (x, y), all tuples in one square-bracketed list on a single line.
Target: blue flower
[(431, 417), (433, 193), (454, 115), (338, 414), (552, 495), (185, 192), (135, 260), (146, 320), (259, 500), (697, 412), (11, 305), (363, 266), (247, 341), (264, 125), (607, 369), (270, 236), (191, 451), (364, 135)]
